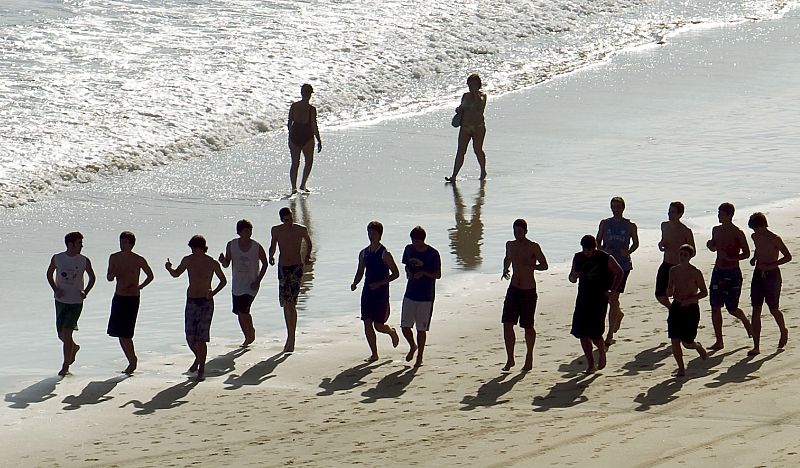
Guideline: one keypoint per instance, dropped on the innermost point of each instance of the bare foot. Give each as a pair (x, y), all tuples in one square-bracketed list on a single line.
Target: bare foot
[(410, 354), (372, 358), (509, 364), (131, 367), (418, 363), (619, 321), (590, 370), (610, 341), (450, 179), (784, 339), (201, 376), (74, 353), (754, 352), (288, 347), (303, 188), (702, 351), (294, 190), (395, 338), (716, 346), (680, 373), (64, 371), (247, 342), (483, 175), (193, 367), (528, 364)]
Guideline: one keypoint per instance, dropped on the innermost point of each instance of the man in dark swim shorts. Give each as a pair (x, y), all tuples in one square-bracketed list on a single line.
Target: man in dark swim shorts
[(686, 286), (674, 234)]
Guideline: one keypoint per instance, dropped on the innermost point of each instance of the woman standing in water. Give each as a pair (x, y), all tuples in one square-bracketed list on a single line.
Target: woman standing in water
[(302, 131), (473, 127)]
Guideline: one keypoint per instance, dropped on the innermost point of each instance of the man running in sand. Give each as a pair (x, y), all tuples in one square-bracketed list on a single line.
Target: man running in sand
[(423, 268), (289, 237), (245, 254), (674, 234), (380, 271), (686, 286), (599, 275), (67, 284), (617, 236), (199, 299), (125, 266), (526, 257), (766, 282), (730, 244)]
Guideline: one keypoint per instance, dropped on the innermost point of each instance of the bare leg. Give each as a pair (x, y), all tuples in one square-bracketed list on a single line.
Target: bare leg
[(463, 141), (664, 300), (308, 155), (778, 316), (677, 353), (294, 151), (290, 316), (586, 345), (477, 146), (530, 340), (510, 340), (699, 348), (756, 327), (68, 348), (127, 347), (716, 320), (196, 363), (369, 332), (739, 314), (422, 337), (412, 347), (383, 328), (246, 324), (201, 350), (614, 317), (601, 352)]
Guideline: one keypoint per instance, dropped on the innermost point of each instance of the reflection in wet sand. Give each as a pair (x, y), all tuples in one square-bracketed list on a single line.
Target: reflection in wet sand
[(303, 216), (467, 235)]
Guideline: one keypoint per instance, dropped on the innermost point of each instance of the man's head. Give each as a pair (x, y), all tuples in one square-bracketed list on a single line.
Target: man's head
[(126, 241), (306, 91), (374, 230), (418, 236), (757, 220), (244, 228), (588, 244), (725, 212), (676, 210), (74, 242), (685, 253), (474, 80), (286, 215), (198, 244), (520, 228), (617, 206)]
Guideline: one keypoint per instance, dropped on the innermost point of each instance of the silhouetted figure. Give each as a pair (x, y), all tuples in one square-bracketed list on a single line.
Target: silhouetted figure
[(473, 126), (673, 235), (686, 287), (302, 131), (423, 268)]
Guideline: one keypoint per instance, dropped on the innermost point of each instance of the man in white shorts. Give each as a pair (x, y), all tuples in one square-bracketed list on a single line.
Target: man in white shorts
[(423, 268)]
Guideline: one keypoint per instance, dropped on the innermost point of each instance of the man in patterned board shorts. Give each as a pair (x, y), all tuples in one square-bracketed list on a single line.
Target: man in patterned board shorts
[(199, 299)]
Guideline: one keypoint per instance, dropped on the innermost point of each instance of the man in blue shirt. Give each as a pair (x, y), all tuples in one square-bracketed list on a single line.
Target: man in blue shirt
[(423, 268)]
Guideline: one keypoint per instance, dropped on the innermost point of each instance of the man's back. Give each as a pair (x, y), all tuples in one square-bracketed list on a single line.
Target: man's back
[(767, 246), (200, 268), (126, 267)]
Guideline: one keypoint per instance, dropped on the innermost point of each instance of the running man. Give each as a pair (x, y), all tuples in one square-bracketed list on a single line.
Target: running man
[(686, 286), (730, 244), (69, 291), (674, 234), (245, 254), (766, 282), (597, 275), (380, 271), (619, 238), (289, 237), (199, 299), (423, 268), (125, 266), (526, 257)]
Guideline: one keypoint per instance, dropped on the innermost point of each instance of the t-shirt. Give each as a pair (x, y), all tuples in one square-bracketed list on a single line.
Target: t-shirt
[(69, 277), (595, 278), (421, 289), (245, 268)]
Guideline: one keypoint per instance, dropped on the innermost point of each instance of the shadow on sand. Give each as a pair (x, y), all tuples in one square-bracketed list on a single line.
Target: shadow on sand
[(165, 399), (490, 392), (348, 379), (391, 386), (257, 374), (648, 360), (224, 363), (94, 393), (742, 371), (36, 393)]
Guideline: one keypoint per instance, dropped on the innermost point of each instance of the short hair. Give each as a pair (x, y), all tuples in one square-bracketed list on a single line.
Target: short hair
[(243, 224), (678, 206), (418, 233), (521, 223), (727, 208), (375, 226), (127, 235), (306, 90), (477, 79), (687, 248), (72, 237), (198, 242), (757, 220), (617, 199), (284, 211), (588, 242)]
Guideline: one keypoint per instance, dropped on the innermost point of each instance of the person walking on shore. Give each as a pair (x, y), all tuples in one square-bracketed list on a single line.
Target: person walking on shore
[(525, 257), (245, 254), (423, 267), (380, 270), (597, 275), (730, 244), (686, 286), (617, 236), (69, 268), (199, 299), (674, 234), (303, 130), (289, 237), (125, 267), (766, 282), (473, 126)]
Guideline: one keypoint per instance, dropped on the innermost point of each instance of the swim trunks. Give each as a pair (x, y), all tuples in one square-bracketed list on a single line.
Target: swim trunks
[(662, 279), (726, 287), (519, 306), (67, 315), (242, 303), (416, 313), (124, 310), (765, 286), (197, 317), (289, 279), (682, 321)]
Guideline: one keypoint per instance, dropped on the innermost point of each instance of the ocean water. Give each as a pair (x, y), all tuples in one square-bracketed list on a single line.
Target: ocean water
[(709, 116)]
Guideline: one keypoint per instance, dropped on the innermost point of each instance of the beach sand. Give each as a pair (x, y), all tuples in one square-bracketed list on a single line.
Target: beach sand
[(323, 406)]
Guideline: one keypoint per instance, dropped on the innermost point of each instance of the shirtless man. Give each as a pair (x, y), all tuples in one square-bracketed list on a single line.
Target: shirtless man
[(289, 237), (674, 234), (766, 282), (125, 266), (199, 299), (303, 129), (618, 237), (525, 256), (686, 286), (67, 284), (730, 244)]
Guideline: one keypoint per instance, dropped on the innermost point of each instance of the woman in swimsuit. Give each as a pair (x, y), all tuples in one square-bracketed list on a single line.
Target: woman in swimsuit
[(302, 131), (473, 127)]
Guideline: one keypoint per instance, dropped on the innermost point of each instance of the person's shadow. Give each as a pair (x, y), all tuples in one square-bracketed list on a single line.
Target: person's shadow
[(224, 363), (165, 399), (257, 374), (741, 371), (391, 386), (490, 392), (648, 360), (565, 394), (466, 236), (94, 393), (348, 379), (36, 393)]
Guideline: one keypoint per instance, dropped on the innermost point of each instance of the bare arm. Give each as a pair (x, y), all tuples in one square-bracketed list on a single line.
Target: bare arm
[(175, 272), (394, 272), (273, 244), (262, 257), (225, 258), (540, 263), (92, 279), (745, 247), (786, 255), (712, 243), (615, 270), (148, 274), (701, 285), (290, 118), (506, 262), (574, 273), (313, 118), (309, 245), (51, 279), (601, 229), (634, 238), (110, 275), (222, 280), (359, 271)]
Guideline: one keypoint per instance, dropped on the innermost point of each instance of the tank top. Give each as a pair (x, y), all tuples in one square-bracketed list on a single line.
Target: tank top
[(245, 267), (617, 239), (69, 277), (376, 269)]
